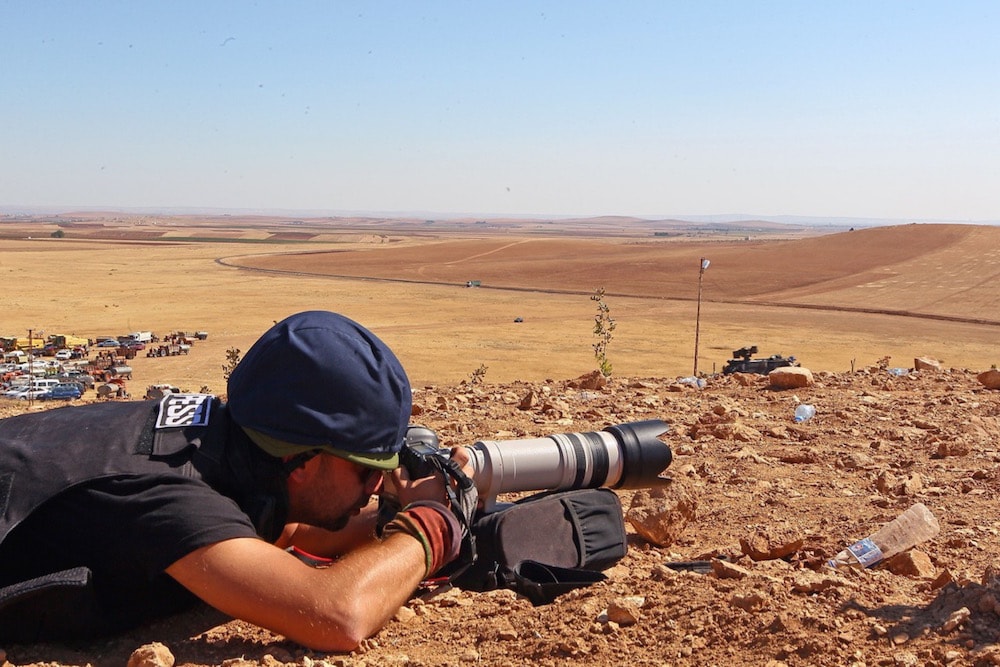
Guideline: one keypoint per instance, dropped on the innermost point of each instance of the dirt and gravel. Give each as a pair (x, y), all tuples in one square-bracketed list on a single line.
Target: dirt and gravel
[(765, 499)]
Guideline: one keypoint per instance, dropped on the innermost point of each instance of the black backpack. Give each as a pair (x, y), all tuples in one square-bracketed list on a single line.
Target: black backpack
[(547, 544)]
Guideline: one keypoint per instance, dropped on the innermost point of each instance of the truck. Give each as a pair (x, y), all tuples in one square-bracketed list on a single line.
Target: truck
[(33, 343), (64, 341), (142, 336)]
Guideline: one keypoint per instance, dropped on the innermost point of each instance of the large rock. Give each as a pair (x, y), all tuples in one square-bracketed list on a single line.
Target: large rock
[(660, 515), (592, 380), (990, 379), (790, 377), (926, 364)]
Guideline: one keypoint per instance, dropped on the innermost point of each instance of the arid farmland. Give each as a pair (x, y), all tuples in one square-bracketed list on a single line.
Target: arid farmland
[(834, 301)]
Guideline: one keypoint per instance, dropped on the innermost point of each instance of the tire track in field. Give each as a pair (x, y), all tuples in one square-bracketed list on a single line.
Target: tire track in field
[(421, 270)]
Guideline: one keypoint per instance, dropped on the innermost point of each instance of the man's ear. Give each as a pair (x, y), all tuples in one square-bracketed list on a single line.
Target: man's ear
[(302, 473), (297, 475)]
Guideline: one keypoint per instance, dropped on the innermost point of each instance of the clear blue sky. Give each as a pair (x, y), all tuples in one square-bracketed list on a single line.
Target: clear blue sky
[(868, 109)]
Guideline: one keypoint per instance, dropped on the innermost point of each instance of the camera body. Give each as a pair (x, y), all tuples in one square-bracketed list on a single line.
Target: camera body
[(419, 451)]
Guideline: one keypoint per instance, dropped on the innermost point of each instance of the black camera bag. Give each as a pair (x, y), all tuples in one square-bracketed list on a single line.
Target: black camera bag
[(547, 544)]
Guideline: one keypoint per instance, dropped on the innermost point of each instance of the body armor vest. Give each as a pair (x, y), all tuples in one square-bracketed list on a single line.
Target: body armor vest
[(191, 435)]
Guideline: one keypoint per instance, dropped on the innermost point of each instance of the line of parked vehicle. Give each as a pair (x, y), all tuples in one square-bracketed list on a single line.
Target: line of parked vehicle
[(44, 389), (61, 368)]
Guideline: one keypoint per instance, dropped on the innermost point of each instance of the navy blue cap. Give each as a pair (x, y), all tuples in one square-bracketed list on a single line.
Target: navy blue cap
[(317, 380)]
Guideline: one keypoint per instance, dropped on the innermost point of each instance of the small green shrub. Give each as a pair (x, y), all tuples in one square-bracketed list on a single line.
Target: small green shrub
[(478, 376), (232, 359), (604, 327)]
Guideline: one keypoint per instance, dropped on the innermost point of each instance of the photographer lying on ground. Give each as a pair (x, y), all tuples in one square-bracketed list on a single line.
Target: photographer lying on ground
[(117, 512)]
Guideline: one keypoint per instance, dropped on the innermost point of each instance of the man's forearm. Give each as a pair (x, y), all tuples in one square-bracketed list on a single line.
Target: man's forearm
[(384, 575), (330, 608), (329, 544)]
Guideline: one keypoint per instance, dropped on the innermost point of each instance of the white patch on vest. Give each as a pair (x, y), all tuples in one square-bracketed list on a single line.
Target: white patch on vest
[(184, 410)]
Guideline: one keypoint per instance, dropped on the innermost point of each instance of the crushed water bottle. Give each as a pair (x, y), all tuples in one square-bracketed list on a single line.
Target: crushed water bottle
[(804, 412), (909, 529)]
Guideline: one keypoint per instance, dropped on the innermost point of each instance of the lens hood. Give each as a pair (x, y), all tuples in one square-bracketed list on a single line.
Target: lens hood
[(644, 456)]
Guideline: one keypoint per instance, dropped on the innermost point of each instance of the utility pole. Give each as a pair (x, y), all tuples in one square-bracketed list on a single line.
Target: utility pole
[(702, 265), (31, 365)]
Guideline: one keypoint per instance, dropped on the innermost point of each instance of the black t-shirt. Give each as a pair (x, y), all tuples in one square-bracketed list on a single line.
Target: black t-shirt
[(126, 530)]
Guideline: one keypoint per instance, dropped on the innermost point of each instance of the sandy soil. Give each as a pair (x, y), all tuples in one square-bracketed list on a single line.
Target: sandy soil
[(773, 497)]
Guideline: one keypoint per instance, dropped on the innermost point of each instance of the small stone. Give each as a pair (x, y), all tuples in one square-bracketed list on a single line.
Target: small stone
[(912, 563), (625, 611), (151, 655), (913, 484), (766, 544), (747, 601), (404, 614), (726, 570), (574, 647), (957, 618), (952, 448)]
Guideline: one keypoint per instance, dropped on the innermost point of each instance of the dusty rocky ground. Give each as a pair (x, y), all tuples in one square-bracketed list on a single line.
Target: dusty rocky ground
[(768, 499)]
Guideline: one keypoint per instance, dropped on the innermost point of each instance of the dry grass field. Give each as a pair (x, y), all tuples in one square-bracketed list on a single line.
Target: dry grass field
[(833, 300)]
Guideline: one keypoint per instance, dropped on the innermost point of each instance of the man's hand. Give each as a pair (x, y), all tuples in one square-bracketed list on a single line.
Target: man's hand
[(432, 487), (437, 509)]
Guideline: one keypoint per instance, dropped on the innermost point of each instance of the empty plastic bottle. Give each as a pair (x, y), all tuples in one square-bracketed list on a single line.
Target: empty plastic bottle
[(804, 411), (905, 531)]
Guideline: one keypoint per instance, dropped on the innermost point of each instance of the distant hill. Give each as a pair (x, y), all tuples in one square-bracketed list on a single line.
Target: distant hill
[(189, 212)]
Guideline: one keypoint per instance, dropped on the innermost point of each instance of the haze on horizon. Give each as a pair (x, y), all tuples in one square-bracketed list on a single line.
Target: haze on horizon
[(648, 109)]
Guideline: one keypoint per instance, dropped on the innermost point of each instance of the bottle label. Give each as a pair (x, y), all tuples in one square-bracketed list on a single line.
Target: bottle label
[(866, 551)]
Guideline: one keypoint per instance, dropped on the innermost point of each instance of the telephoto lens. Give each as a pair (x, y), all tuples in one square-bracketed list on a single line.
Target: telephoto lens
[(626, 456)]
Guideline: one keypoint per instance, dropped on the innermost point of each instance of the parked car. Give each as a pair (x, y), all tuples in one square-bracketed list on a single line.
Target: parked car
[(15, 390), (64, 355), (108, 343), (76, 376), (66, 391), (25, 393)]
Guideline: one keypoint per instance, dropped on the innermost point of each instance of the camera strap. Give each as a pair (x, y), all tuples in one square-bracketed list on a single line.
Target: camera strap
[(462, 498)]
